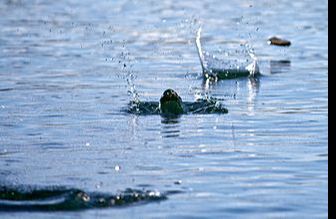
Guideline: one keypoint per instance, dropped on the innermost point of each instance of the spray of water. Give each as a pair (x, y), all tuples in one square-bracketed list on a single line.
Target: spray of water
[(233, 61), (126, 62)]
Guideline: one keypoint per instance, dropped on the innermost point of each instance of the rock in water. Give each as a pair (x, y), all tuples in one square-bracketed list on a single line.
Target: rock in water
[(278, 41)]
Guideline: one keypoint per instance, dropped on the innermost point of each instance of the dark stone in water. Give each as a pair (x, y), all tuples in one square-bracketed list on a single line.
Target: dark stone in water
[(278, 41), (28, 198)]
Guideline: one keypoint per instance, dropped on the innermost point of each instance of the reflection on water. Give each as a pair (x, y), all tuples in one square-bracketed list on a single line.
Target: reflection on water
[(170, 127), (250, 85), (253, 85), (170, 119), (279, 66)]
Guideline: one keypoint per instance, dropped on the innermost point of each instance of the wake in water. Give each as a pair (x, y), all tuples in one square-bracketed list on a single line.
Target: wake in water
[(229, 70), (56, 198)]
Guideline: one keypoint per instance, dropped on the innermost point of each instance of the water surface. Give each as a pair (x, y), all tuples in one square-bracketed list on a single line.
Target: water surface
[(69, 68)]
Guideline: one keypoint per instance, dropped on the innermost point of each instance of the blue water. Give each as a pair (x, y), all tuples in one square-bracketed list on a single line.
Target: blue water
[(69, 68)]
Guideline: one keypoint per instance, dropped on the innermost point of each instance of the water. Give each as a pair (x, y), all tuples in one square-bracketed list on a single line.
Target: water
[(69, 68)]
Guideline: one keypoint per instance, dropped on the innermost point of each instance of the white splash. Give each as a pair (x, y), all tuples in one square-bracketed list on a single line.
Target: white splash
[(253, 67)]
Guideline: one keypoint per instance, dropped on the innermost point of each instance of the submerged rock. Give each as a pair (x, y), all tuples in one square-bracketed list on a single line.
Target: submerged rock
[(278, 41)]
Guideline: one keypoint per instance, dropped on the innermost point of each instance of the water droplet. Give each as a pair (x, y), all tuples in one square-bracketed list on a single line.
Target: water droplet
[(117, 168)]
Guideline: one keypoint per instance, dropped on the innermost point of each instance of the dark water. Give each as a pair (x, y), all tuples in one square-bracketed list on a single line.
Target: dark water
[(68, 69)]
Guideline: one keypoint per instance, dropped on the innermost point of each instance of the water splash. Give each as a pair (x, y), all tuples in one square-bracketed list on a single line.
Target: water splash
[(200, 51), (253, 68), (207, 105), (57, 198), (126, 62), (227, 68), (131, 90)]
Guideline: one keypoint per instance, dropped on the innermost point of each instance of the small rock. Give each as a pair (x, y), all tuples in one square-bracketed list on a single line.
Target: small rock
[(278, 42)]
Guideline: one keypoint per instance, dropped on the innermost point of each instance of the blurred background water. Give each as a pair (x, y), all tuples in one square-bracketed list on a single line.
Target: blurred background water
[(69, 68)]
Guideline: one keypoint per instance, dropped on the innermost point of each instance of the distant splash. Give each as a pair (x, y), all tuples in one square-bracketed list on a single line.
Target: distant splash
[(131, 87), (126, 62), (200, 106), (57, 198), (213, 68)]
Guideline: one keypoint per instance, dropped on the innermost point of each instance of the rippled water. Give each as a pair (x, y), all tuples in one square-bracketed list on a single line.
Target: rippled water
[(69, 68)]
